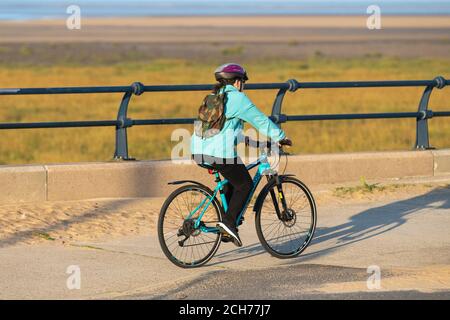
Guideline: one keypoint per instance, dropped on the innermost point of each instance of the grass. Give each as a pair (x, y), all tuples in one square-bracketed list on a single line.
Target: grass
[(363, 188), (87, 247), (45, 236), (154, 142), (237, 50)]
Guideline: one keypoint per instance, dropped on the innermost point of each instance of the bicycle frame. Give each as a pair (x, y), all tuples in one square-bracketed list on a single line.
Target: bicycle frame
[(262, 165)]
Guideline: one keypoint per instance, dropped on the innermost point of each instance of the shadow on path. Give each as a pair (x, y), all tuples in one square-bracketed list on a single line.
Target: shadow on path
[(244, 252), (367, 224), (377, 221)]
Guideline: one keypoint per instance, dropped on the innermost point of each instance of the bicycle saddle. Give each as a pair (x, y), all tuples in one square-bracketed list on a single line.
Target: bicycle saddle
[(207, 166)]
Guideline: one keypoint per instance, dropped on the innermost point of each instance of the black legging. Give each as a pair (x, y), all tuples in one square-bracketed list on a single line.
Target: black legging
[(238, 187)]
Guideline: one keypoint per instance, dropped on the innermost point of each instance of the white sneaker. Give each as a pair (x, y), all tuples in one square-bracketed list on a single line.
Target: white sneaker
[(233, 233)]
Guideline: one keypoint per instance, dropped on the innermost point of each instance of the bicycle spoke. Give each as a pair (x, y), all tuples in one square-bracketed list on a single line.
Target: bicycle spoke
[(290, 235), (273, 223), (196, 244), (174, 235), (276, 228), (199, 245)]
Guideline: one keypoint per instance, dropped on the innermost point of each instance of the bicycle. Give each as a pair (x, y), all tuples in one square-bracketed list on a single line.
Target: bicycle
[(191, 212)]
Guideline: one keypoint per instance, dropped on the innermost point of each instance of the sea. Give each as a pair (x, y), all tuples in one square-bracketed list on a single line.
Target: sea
[(50, 9)]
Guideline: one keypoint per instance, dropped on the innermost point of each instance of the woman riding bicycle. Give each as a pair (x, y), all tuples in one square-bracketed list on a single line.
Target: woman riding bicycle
[(220, 152)]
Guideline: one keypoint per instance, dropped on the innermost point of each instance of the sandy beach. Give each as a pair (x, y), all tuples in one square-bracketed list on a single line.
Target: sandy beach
[(68, 222), (227, 29), (213, 39)]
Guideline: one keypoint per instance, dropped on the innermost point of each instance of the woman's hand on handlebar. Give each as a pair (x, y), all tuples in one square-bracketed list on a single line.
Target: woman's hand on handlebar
[(285, 142)]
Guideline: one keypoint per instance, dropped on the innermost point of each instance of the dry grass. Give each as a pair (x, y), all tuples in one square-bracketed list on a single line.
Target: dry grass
[(150, 142)]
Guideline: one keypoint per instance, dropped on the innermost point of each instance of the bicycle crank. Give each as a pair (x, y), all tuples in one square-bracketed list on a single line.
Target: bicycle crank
[(188, 229)]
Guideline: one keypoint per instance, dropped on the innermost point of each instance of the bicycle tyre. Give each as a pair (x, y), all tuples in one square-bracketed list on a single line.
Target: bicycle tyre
[(170, 254), (260, 228)]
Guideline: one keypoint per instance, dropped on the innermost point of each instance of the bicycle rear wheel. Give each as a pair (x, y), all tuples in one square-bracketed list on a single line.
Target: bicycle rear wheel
[(183, 244), (287, 234)]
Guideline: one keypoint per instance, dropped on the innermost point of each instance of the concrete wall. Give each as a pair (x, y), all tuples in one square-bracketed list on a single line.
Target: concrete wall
[(149, 178)]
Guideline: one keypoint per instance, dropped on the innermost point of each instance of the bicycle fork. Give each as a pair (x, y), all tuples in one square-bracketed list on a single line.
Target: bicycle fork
[(280, 195)]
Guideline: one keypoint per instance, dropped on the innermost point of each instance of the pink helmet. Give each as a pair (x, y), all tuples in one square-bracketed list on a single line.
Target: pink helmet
[(230, 71)]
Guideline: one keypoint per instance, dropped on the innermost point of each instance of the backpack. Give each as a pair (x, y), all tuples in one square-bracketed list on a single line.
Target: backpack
[(211, 115)]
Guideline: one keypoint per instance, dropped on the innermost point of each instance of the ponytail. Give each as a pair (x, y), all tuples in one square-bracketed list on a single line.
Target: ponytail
[(222, 83), (217, 87)]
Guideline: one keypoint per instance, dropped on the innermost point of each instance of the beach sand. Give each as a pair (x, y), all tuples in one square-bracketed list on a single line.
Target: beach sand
[(225, 29), (218, 38), (68, 222)]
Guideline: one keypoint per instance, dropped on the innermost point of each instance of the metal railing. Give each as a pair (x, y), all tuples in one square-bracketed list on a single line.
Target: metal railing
[(123, 122)]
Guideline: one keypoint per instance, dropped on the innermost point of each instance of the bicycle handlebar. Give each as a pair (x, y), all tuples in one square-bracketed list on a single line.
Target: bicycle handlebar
[(268, 144)]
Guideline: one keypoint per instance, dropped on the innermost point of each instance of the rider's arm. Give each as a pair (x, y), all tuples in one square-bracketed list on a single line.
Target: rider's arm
[(248, 112)]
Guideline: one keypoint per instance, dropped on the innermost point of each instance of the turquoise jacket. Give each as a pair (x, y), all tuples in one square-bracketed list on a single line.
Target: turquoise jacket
[(238, 109)]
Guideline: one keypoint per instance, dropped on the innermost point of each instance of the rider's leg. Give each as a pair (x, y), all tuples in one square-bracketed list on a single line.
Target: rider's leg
[(241, 182), (228, 192)]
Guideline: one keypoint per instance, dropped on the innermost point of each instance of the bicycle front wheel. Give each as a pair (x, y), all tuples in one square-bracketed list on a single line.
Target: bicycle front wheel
[(286, 233), (183, 243)]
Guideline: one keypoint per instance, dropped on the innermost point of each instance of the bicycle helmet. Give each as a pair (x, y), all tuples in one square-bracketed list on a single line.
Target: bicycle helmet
[(230, 71)]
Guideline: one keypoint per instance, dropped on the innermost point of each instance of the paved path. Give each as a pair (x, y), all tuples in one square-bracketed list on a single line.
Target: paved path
[(408, 240)]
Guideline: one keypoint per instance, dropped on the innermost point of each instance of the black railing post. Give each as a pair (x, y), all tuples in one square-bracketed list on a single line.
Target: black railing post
[(121, 152), (422, 134), (276, 107), (276, 115)]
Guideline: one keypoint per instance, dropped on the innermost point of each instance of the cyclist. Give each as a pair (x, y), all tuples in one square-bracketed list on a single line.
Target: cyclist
[(219, 151)]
